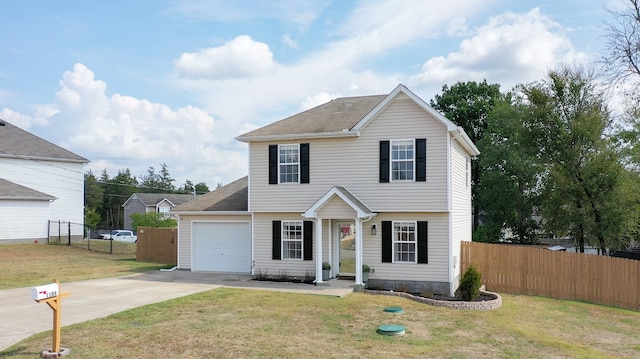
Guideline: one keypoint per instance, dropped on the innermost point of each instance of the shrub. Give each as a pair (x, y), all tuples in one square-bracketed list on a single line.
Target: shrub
[(469, 288), (326, 265)]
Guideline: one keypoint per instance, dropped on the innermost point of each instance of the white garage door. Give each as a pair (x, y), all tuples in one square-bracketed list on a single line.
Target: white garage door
[(222, 247)]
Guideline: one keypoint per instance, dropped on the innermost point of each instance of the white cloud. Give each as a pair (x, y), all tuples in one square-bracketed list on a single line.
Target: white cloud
[(287, 40), (509, 49), (316, 100), (125, 132), (241, 57)]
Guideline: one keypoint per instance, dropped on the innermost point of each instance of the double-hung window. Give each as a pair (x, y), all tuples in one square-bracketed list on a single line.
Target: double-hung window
[(402, 160), (289, 163), (291, 239), (404, 242)]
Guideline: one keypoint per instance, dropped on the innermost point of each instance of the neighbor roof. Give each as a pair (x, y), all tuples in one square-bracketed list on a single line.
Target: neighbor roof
[(233, 197), (14, 191), (152, 199), (18, 143)]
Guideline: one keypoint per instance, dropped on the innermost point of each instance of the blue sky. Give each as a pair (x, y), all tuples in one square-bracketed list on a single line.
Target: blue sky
[(133, 84)]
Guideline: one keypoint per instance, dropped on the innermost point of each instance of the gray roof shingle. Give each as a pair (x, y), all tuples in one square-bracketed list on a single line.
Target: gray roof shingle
[(14, 191), (233, 197), (331, 117), (152, 199), (16, 142)]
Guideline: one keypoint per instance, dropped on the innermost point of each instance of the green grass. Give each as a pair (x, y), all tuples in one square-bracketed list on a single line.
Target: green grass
[(25, 265), (242, 323)]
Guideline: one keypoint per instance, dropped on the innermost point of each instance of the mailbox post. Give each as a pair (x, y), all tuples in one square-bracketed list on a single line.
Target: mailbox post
[(51, 295)]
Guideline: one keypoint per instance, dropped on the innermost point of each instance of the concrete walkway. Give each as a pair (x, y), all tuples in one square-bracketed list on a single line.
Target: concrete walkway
[(21, 317)]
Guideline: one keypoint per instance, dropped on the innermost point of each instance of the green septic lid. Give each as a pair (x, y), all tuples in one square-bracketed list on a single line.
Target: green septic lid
[(391, 329), (393, 310)]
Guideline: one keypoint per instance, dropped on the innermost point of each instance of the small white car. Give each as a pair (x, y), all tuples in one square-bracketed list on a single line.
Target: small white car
[(121, 235)]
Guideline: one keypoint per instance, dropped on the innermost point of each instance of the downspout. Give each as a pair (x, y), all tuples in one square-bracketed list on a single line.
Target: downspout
[(359, 248)]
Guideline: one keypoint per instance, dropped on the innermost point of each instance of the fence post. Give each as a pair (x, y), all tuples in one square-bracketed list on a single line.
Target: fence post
[(48, 230), (69, 233), (59, 233)]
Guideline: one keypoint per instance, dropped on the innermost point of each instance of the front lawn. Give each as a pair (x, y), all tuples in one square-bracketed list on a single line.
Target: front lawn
[(242, 323), (25, 265)]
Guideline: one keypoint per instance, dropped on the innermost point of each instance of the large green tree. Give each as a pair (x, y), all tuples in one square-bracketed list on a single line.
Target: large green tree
[(509, 186), (583, 180), (467, 104)]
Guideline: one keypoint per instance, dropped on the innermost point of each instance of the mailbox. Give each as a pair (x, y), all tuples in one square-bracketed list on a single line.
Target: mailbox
[(45, 291)]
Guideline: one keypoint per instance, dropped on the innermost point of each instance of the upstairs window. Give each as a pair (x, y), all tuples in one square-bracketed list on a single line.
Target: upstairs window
[(289, 163), (403, 160), (402, 155)]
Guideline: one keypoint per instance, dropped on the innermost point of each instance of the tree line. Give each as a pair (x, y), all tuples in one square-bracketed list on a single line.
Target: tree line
[(104, 195), (556, 161)]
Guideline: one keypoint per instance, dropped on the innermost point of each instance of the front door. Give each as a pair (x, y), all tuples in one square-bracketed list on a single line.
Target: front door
[(346, 235)]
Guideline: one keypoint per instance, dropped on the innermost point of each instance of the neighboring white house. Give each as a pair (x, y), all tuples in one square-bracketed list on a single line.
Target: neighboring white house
[(152, 203), (39, 181), (377, 180)]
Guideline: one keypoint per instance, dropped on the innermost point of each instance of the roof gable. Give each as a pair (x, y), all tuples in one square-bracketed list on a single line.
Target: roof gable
[(18, 143), (347, 117), (153, 199), (362, 211)]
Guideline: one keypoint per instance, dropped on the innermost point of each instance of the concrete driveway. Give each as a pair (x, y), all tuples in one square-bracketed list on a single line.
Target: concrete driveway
[(91, 299)]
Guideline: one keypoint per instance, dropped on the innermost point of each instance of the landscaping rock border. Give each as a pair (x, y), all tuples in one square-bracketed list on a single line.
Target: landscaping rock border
[(454, 304)]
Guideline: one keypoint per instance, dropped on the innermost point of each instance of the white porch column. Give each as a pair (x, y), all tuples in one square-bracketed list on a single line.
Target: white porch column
[(359, 251), (319, 250)]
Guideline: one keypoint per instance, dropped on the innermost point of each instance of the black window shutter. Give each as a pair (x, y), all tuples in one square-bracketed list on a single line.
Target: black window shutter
[(276, 247), (387, 242), (307, 240), (421, 159), (304, 163), (384, 161), (423, 252), (273, 164)]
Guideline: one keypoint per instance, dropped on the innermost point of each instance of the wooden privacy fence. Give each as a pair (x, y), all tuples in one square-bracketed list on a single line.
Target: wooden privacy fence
[(157, 245), (563, 275)]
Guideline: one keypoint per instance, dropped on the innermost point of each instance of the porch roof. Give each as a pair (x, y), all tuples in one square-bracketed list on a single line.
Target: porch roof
[(349, 198)]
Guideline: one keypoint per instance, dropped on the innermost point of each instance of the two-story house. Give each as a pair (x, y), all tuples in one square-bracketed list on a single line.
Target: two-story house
[(39, 183), (152, 203), (376, 180)]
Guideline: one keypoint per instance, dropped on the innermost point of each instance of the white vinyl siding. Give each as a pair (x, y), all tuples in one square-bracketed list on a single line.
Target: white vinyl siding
[(63, 180), (23, 220), (263, 241), (460, 203), (185, 225), (354, 163), (437, 243)]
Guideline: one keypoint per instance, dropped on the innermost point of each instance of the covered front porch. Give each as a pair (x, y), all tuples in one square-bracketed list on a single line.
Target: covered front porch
[(340, 219)]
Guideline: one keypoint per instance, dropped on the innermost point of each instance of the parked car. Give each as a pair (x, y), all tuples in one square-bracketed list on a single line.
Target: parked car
[(121, 235)]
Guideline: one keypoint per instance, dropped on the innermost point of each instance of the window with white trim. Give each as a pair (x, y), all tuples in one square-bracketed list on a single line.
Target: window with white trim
[(404, 242), (164, 211), (289, 163), (402, 160), (291, 239)]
